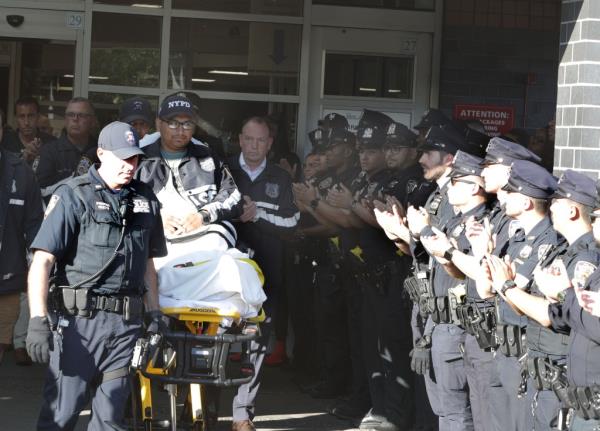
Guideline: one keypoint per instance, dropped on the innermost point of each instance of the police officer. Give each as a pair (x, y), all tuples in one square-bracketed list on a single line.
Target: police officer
[(100, 232), (269, 216), (20, 218), (28, 138), (137, 112), (386, 340), (574, 308), (74, 152), (578, 258), (331, 304), (488, 397), (528, 188)]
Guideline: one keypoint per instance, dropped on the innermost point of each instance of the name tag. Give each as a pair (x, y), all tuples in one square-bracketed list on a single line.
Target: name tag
[(20, 202)]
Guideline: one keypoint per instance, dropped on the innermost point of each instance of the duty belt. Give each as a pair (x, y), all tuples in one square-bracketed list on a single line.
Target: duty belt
[(377, 277), (478, 321), (511, 340), (543, 372), (584, 400), (82, 303), (417, 287)]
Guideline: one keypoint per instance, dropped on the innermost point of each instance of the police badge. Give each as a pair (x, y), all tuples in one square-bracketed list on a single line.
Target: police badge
[(272, 190), (543, 250), (326, 183), (84, 165), (525, 252)]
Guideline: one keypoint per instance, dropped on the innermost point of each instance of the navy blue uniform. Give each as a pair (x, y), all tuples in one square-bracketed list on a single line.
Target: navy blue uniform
[(82, 229), (277, 217), (525, 251), (20, 218), (580, 259), (61, 159)]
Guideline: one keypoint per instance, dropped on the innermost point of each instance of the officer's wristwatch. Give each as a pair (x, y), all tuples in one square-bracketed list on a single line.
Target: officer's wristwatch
[(508, 284), (449, 252), (314, 203), (205, 217)]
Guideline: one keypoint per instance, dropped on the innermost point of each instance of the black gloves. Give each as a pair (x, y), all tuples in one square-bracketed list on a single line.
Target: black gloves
[(158, 323), (39, 339), (421, 356)]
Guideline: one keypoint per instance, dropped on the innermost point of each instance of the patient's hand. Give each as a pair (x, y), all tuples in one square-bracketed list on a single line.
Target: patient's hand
[(172, 225), (191, 222)]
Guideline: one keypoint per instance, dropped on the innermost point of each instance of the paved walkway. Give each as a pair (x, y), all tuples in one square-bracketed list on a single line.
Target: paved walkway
[(281, 406)]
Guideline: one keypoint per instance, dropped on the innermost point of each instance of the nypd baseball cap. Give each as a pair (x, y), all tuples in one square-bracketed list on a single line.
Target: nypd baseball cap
[(176, 104), (120, 139), (136, 108)]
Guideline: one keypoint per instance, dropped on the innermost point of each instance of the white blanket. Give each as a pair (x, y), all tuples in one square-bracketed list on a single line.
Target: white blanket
[(203, 272)]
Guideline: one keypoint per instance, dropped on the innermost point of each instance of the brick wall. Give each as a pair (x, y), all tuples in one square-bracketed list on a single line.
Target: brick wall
[(502, 52), (578, 104)]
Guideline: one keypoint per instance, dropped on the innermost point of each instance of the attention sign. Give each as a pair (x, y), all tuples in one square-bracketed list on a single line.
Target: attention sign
[(496, 119)]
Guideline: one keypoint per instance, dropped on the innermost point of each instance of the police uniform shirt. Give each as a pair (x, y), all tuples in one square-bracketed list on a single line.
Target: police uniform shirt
[(502, 227), (11, 141), (82, 227), (353, 179), (409, 187), (583, 357), (60, 159), (20, 218), (376, 246), (581, 259), (526, 251), (454, 229)]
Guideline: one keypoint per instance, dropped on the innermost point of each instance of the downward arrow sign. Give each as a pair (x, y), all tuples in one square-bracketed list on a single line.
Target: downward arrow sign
[(278, 47)]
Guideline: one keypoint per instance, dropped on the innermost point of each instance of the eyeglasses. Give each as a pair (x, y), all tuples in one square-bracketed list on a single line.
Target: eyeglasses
[(174, 124), (77, 115)]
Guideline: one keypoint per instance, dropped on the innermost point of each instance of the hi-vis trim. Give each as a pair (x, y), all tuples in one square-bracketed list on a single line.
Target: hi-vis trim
[(267, 205), (19, 202), (277, 220)]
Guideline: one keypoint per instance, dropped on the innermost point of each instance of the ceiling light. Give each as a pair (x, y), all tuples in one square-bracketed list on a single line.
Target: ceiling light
[(371, 90), (202, 80), (228, 72), (99, 77), (394, 91), (67, 76), (151, 6)]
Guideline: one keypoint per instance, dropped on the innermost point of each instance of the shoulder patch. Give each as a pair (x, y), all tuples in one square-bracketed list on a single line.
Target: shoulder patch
[(141, 205), (582, 272), (411, 186), (51, 204)]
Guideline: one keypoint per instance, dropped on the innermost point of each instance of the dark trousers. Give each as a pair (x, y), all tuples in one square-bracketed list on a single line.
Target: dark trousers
[(86, 350), (454, 409), (425, 418), (387, 344), (331, 319), (540, 408), (580, 424), (301, 287), (488, 398), (509, 371)]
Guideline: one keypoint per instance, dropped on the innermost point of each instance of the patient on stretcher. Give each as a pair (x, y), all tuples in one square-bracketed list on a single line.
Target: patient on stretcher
[(203, 269)]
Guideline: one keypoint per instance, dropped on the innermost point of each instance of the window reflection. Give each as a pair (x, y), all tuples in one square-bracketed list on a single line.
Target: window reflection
[(368, 76), (266, 7), (249, 57), (382, 4), (123, 56)]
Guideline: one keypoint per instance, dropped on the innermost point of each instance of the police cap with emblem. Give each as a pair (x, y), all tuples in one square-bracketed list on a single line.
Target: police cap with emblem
[(432, 117), (476, 140), (340, 137), (374, 119), (577, 187), (318, 139), (333, 121), (371, 137), (465, 164), (120, 139), (442, 138), (175, 105), (134, 109), (398, 135), (505, 152), (530, 179)]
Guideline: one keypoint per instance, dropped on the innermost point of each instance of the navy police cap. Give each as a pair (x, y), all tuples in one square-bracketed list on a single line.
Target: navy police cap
[(333, 121), (577, 187), (398, 135), (318, 138), (374, 119), (432, 117), (442, 138), (505, 152), (465, 164), (372, 137), (340, 136), (530, 179)]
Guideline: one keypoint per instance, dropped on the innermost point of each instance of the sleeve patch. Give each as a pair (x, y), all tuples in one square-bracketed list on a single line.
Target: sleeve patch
[(582, 272)]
